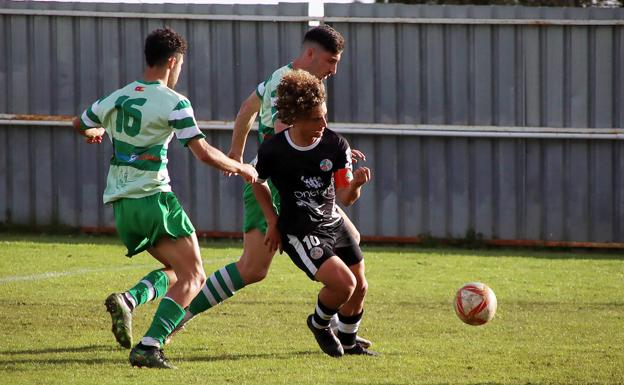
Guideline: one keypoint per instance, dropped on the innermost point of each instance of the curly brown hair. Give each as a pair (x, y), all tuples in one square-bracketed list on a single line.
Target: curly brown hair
[(161, 44), (298, 94)]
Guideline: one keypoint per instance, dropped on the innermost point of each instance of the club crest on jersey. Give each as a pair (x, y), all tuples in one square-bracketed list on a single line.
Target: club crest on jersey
[(139, 88), (316, 252), (326, 165)]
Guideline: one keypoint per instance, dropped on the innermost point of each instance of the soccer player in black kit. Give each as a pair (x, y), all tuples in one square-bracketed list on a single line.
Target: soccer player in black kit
[(311, 167)]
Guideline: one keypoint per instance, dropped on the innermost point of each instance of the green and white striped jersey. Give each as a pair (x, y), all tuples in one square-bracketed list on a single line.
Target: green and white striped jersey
[(141, 119), (267, 92)]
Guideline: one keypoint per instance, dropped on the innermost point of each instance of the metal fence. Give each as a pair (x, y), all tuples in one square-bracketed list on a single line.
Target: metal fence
[(498, 121)]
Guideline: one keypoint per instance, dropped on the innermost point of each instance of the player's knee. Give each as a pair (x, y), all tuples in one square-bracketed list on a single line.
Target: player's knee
[(361, 289), (196, 281), (250, 272), (347, 286), (254, 275)]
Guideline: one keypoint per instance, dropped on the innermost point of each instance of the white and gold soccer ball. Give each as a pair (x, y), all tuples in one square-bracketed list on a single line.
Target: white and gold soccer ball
[(475, 303)]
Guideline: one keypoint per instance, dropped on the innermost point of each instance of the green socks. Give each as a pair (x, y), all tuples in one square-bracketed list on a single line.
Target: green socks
[(220, 285), (167, 317), (152, 286)]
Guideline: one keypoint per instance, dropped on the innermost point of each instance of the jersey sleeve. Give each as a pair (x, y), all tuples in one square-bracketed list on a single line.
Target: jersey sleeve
[(263, 163), (182, 120), (343, 167), (260, 89), (90, 117)]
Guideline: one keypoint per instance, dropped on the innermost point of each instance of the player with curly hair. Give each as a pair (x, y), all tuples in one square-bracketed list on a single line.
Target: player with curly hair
[(140, 120), (321, 52), (310, 165)]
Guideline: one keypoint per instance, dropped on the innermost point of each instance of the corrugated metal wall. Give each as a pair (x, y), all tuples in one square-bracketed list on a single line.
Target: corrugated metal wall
[(419, 73)]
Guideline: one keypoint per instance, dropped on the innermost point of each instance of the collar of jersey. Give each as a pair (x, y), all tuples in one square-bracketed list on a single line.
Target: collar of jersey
[(296, 147), (148, 83)]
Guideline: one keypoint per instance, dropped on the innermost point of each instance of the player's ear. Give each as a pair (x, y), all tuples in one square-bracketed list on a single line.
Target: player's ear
[(171, 62), (310, 51)]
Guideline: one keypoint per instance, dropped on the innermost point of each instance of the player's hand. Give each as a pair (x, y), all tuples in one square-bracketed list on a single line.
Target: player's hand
[(357, 155), (273, 238), (236, 157), (361, 176), (94, 135), (249, 173)]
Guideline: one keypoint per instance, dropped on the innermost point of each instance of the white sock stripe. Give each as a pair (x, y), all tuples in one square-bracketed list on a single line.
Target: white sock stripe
[(348, 328), (322, 314), (217, 286), (316, 325), (348, 346), (149, 341), (227, 279), (166, 322), (150, 289), (294, 241), (209, 296)]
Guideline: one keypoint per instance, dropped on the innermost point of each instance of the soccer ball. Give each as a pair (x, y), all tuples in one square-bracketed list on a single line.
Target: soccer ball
[(475, 303)]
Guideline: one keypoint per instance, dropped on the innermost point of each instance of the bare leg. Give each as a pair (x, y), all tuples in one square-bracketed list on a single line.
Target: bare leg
[(254, 264), (167, 269), (339, 281), (355, 304), (183, 256)]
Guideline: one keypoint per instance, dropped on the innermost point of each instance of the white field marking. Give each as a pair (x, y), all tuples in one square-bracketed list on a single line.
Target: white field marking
[(71, 273)]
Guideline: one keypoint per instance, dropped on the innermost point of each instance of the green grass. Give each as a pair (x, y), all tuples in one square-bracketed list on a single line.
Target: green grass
[(560, 319)]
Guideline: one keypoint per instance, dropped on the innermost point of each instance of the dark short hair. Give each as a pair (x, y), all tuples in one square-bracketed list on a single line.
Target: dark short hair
[(298, 93), (324, 35), (162, 44)]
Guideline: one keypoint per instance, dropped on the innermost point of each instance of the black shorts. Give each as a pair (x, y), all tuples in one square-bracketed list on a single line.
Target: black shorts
[(310, 251)]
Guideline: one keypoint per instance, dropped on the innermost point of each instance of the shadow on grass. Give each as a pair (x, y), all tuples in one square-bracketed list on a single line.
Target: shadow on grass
[(61, 361), (254, 356), (69, 349), (239, 357), (16, 363)]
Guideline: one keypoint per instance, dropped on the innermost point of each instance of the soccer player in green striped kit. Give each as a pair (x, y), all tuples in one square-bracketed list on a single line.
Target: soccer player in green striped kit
[(321, 52), (141, 120)]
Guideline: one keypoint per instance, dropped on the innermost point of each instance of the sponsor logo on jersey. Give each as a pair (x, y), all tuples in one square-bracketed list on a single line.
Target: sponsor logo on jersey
[(139, 88), (149, 157), (314, 182), (316, 252), (326, 165), (134, 157)]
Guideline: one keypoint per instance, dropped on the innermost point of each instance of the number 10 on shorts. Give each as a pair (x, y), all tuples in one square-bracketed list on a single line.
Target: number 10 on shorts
[(311, 241)]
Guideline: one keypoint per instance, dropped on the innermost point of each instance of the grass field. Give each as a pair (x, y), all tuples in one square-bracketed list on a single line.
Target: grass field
[(560, 319)]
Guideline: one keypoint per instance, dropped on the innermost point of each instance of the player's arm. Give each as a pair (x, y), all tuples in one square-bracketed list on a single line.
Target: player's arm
[(261, 190), (272, 238), (89, 125), (242, 125), (182, 121), (206, 153), (349, 185)]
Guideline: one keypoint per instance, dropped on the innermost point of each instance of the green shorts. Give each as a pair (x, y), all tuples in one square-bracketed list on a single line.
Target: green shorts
[(141, 222), (254, 217)]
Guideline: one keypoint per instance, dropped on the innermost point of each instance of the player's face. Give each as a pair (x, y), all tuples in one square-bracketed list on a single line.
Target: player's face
[(175, 64), (324, 63), (314, 125)]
